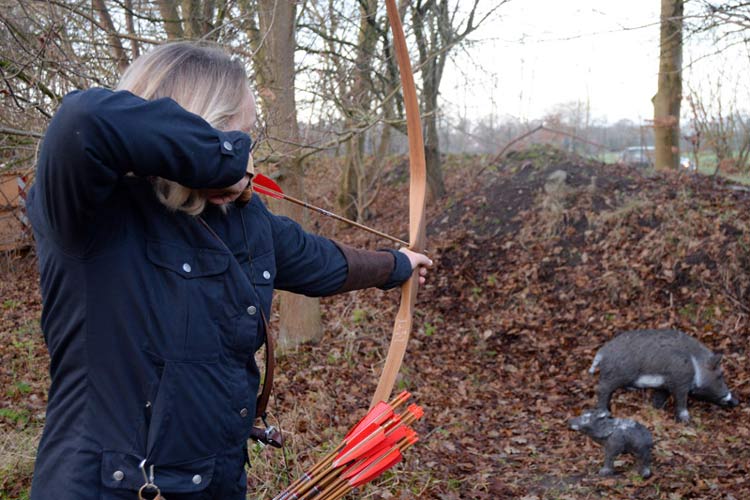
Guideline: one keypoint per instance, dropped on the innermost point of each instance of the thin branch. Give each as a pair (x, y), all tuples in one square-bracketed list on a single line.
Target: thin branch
[(22, 133)]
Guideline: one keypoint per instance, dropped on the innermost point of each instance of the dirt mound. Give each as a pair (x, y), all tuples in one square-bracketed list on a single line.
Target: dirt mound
[(516, 185)]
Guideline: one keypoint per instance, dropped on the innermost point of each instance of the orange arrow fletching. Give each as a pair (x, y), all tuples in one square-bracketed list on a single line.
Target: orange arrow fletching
[(411, 436)]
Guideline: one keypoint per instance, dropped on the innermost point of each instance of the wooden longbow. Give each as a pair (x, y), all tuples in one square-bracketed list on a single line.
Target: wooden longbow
[(417, 193)]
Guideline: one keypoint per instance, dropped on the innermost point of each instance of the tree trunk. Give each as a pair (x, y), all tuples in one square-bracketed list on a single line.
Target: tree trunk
[(669, 95), (432, 44), (355, 178), (172, 22), (432, 141), (351, 175), (275, 43), (118, 51), (129, 22)]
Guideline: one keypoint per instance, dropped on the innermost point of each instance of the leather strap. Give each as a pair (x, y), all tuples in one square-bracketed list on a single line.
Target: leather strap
[(267, 435), (261, 403)]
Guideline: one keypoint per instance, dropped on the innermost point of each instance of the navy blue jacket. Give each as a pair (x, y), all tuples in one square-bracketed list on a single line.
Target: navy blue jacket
[(150, 321)]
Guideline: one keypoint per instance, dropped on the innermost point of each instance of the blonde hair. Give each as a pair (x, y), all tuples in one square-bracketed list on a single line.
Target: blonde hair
[(204, 81)]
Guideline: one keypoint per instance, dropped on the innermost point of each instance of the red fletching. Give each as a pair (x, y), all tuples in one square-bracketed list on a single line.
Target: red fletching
[(364, 442), (415, 410), (373, 467), (411, 436), (267, 192), (379, 414), (394, 436), (265, 185), (391, 439), (370, 448), (392, 422), (267, 182)]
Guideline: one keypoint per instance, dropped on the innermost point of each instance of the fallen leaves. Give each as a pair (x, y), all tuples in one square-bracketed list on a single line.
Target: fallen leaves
[(521, 297)]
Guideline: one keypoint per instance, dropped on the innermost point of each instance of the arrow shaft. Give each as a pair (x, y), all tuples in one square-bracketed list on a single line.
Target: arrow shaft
[(344, 219), (310, 477)]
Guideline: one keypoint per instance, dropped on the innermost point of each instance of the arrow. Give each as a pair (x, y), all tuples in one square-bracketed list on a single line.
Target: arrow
[(379, 420), (372, 446), (369, 468), (265, 185)]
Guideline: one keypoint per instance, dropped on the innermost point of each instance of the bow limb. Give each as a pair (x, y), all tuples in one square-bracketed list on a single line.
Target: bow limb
[(417, 194)]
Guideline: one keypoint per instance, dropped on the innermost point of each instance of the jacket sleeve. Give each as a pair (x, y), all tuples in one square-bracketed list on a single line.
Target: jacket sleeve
[(98, 136), (315, 266)]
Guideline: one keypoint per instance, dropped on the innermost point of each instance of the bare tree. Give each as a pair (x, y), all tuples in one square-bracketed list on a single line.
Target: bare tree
[(726, 22), (354, 195), (274, 42), (357, 88), (720, 126), (439, 27), (669, 95)]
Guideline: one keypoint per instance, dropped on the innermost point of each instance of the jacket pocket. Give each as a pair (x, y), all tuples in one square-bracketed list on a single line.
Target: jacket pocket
[(187, 262), (187, 293), (246, 327), (121, 471), (262, 276), (244, 330)]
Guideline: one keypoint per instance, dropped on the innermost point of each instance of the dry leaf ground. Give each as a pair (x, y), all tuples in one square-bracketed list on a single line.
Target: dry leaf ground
[(535, 270)]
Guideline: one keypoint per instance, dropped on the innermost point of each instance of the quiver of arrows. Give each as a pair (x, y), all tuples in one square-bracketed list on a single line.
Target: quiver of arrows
[(370, 448)]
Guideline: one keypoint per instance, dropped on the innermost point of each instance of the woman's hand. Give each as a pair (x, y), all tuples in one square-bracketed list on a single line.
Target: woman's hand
[(418, 260), (226, 195), (241, 189)]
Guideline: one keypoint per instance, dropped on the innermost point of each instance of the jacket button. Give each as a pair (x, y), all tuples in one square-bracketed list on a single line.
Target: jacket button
[(251, 310), (197, 479), (243, 412), (118, 475), (266, 275), (227, 145), (186, 267)]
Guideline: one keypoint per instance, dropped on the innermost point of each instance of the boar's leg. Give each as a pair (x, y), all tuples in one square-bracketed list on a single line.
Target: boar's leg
[(680, 404), (612, 448), (604, 394), (644, 462), (660, 398)]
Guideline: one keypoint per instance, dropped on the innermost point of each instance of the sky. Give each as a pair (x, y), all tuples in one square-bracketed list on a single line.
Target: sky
[(540, 53)]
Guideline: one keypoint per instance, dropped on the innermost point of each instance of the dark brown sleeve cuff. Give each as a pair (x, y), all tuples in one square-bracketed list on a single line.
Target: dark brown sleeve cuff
[(366, 268)]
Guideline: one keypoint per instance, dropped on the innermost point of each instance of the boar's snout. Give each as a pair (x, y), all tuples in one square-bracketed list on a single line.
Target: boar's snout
[(574, 424), (729, 401)]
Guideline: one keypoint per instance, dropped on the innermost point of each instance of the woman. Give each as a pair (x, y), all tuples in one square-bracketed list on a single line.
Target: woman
[(155, 284)]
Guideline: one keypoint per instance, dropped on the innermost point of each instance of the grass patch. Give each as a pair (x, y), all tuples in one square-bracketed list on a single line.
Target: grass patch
[(739, 178), (17, 452)]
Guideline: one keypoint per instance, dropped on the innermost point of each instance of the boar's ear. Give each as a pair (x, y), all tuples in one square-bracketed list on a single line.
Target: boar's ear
[(714, 362)]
